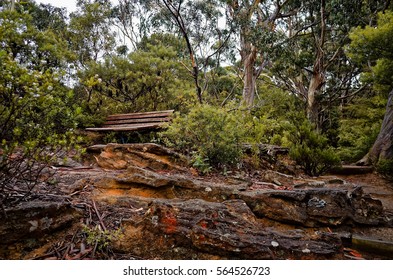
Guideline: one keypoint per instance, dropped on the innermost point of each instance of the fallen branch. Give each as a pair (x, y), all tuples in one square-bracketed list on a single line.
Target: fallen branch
[(103, 227)]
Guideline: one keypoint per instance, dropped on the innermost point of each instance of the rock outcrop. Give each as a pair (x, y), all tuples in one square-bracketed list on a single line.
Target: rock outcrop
[(148, 155), (163, 210), (316, 207), (187, 229), (28, 225), (311, 207)]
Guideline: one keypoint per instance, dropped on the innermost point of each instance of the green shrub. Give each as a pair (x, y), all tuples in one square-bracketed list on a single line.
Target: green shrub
[(272, 117), (359, 127), (385, 168), (37, 123), (37, 116), (211, 134), (102, 239), (310, 150)]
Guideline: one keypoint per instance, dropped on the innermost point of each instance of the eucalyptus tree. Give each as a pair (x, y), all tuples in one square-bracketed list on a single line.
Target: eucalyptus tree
[(197, 23), (133, 19), (91, 34), (313, 64), (211, 27), (48, 17), (257, 25)]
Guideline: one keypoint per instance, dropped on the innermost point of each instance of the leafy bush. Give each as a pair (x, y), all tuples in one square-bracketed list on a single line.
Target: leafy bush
[(360, 125), (36, 122), (310, 150), (37, 117), (385, 168), (99, 238), (211, 134), (148, 79), (273, 116)]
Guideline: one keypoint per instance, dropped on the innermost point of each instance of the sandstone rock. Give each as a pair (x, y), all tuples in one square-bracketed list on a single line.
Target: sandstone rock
[(321, 206), (136, 181), (316, 207), (151, 156), (32, 221), (211, 230)]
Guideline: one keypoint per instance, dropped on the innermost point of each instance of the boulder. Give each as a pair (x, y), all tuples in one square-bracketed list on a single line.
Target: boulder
[(136, 181), (31, 222), (188, 229), (316, 207), (148, 155), (313, 206)]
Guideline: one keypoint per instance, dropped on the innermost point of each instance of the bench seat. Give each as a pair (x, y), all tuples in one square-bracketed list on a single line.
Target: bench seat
[(135, 121)]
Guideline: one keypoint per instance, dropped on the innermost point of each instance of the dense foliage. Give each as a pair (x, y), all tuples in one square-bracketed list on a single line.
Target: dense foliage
[(311, 150), (211, 135), (37, 114)]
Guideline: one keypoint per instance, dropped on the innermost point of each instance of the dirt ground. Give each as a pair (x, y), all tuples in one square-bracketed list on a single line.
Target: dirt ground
[(375, 185)]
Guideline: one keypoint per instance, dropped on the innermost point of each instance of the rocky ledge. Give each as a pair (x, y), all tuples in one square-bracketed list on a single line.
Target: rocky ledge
[(163, 210)]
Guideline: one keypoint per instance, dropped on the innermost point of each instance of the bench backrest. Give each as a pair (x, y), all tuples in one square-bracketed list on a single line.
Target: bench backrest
[(135, 121)]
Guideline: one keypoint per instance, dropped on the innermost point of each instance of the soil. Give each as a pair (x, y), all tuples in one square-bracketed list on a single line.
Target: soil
[(375, 185)]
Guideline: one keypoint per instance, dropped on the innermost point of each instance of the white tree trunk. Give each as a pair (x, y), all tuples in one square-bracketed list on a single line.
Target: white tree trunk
[(249, 80)]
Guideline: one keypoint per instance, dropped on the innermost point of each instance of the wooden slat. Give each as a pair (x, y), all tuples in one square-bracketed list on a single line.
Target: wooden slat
[(131, 121), (126, 127), (134, 124), (141, 115), (135, 121)]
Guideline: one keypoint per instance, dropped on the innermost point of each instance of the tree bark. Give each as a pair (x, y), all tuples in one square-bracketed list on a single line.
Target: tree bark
[(383, 146), (319, 69), (12, 5), (249, 55), (246, 11), (316, 82), (248, 51)]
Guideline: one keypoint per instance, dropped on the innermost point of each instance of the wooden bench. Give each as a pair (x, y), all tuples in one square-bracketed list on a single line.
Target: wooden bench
[(135, 121)]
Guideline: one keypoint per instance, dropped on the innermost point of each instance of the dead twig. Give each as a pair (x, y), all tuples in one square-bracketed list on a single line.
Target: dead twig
[(69, 246), (99, 216)]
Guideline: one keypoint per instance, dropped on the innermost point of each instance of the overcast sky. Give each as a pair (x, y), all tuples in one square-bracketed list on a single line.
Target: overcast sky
[(69, 4)]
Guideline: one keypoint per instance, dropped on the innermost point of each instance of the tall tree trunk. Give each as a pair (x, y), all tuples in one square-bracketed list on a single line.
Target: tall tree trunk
[(383, 146), (195, 74), (316, 82), (175, 11), (249, 55), (318, 72), (12, 5), (243, 11)]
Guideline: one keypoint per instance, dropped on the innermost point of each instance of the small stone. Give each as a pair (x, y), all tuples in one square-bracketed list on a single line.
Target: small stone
[(336, 181), (317, 184), (316, 202), (154, 220), (275, 181), (34, 225), (208, 189), (306, 251), (275, 244)]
